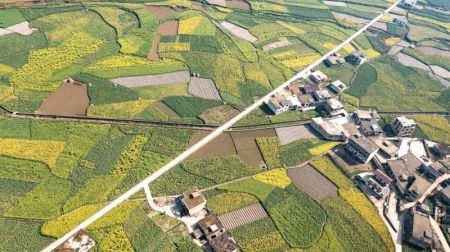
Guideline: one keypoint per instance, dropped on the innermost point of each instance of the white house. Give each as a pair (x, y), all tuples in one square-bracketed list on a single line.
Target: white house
[(193, 201), (338, 86), (322, 96), (333, 107), (278, 104), (318, 77)]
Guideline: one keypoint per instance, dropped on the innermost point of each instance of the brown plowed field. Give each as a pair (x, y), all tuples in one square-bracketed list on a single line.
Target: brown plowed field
[(221, 146), (237, 4), (246, 146), (169, 28), (160, 11), (312, 182), (164, 108), (71, 100), (154, 52)]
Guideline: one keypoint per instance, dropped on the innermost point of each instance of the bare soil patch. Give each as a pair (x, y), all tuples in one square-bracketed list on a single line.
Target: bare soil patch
[(427, 50), (160, 11), (169, 28), (312, 182), (246, 146), (237, 4), (154, 52), (164, 108), (71, 99), (221, 146), (197, 6), (218, 115)]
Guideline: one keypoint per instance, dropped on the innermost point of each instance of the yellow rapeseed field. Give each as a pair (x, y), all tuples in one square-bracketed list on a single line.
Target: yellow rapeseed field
[(38, 150), (301, 62), (188, 26), (276, 177), (174, 47), (119, 110), (392, 41), (291, 28), (322, 148), (284, 54), (7, 94)]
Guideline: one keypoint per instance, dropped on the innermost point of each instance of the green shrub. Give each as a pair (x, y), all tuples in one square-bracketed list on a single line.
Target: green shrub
[(18, 235), (102, 91), (294, 153), (270, 149), (227, 202), (201, 173), (43, 202), (189, 106), (350, 228), (25, 170), (365, 76)]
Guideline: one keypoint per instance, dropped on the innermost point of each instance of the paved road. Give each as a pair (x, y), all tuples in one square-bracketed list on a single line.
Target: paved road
[(207, 139)]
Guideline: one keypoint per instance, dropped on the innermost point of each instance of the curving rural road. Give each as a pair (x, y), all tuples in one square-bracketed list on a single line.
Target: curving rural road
[(207, 139)]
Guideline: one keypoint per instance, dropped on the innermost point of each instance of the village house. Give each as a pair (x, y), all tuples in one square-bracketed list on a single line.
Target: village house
[(278, 104), (370, 127), (223, 243), (387, 148), (334, 107), (442, 150), (401, 21), (307, 102), (435, 170), (403, 126), (445, 195), (329, 129), (335, 60), (407, 4), (417, 229), (193, 201), (338, 86), (318, 77), (379, 183), (211, 227), (361, 147), (80, 242), (310, 88), (365, 115), (405, 173), (294, 103), (356, 58), (321, 96), (445, 215)]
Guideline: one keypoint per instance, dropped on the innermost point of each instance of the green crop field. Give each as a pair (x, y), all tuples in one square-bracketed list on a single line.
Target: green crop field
[(56, 173)]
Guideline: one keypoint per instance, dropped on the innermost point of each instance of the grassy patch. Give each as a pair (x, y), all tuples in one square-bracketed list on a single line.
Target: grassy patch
[(21, 236), (162, 91), (10, 17), (190, 106), (226, 202), (294, 153)]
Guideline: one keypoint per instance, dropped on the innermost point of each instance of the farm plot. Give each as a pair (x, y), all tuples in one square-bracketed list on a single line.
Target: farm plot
[(247, 147), (276, 45), (160, 11), (204, 88), (429, 51), (221, 146), (237, 4), (71, 99), (409, 61), (164, 108), (169, 28), (153, 80), (440, 71), (221, 3), (218, 115), (291, 134), (312, 182), (21, 28), (333, 3), (243, 216), (239, 31)]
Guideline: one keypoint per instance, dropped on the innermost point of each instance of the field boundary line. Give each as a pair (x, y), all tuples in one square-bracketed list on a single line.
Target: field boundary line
[(141, 185)]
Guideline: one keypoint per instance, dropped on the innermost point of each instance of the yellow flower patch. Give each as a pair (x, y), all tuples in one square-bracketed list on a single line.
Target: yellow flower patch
[(119, 110), (348, 48), (284, 54), (188, 26), (318, 150), (37, 150), (301, 62), (291, 28), (276, 177), (371, 53), (392, 41), (174, 47)]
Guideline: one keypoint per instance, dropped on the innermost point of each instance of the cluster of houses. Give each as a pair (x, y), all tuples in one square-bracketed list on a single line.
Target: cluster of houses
[(304, 97), (317, 91), (208, 231)]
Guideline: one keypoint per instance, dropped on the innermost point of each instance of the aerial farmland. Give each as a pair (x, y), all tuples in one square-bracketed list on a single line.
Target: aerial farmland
[(224, 125)]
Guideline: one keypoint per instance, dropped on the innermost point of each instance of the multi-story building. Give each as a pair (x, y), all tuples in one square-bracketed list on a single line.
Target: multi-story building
[(334, 107), (318, 77), (403, 126), (193, 201), (361, 147)]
